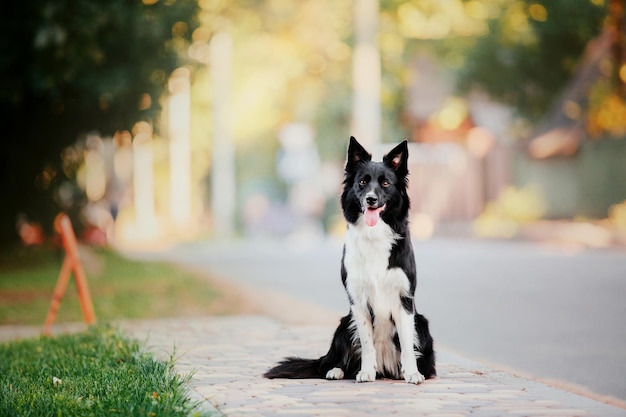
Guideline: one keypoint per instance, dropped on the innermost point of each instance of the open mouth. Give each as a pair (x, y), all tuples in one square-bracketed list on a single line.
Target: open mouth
[(372, 214)]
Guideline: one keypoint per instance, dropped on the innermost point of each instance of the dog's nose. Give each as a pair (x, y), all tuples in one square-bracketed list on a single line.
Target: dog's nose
[(371, 200)]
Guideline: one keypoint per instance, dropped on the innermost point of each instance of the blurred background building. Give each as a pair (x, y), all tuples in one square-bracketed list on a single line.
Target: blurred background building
[(188, 119)]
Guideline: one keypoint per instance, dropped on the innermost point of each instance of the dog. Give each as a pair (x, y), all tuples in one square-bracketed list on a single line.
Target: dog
[(383, 336)]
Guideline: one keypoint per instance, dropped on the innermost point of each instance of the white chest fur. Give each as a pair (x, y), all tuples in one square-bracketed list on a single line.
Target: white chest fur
[(371, 284), (369, 279)]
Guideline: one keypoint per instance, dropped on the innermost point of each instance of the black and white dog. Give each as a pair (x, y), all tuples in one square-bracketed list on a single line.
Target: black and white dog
[(383, 335)]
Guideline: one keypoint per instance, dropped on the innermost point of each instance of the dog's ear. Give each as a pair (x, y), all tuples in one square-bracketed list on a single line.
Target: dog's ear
[(356, 154), (397, 159)]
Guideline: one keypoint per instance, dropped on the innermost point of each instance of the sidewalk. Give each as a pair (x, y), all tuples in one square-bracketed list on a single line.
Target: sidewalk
[(228, 356)]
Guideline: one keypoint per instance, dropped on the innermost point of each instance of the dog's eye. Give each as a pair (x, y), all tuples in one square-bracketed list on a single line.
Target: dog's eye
[(362, 182), (385, 183)]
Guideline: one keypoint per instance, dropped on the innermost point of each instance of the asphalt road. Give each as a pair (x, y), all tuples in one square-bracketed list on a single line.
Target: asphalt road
[(545, 311)]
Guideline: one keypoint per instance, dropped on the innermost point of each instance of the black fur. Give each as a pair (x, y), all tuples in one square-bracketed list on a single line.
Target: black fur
[(388, 179)]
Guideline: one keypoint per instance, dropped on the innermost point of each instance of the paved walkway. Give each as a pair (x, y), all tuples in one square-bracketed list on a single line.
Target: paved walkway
[(229, 355)]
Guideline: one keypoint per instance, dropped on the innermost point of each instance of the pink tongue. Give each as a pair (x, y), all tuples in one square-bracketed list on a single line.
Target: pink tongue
[(372, 215)]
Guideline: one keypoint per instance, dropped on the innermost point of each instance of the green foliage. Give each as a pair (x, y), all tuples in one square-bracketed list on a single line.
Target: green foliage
[(521, 52), (74, 66), (96, 373), (530, 51)]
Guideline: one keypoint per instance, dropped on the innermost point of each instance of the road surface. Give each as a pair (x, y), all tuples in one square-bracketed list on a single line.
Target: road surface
[(544, 311)]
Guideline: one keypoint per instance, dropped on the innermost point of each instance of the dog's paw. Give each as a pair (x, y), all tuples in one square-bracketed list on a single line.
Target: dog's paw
[(415, 378), (366, 376), (335, 373)]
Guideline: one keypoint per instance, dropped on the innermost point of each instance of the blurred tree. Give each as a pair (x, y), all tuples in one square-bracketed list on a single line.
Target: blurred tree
[(70, 67), (522, 53), (606, 109), (529, 50)]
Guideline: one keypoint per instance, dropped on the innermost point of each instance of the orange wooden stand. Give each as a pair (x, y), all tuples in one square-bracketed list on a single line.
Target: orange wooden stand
[(63, 226)]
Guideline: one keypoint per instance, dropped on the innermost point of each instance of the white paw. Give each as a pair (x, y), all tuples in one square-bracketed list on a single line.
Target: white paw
[(366, 376), (335, 373), (415, 378)]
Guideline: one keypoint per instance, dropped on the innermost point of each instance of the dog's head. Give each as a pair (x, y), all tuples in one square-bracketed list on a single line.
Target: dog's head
[(375, 189)]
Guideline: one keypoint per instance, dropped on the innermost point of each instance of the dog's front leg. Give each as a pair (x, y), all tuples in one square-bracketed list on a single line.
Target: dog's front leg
[(365, 329), (405, 323)]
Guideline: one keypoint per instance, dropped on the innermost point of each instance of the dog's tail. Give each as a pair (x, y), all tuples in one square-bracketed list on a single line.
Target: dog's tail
[(296, 368)]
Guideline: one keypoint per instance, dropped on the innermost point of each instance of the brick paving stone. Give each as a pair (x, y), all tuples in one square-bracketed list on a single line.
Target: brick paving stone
[(463, 387), (233, 352)]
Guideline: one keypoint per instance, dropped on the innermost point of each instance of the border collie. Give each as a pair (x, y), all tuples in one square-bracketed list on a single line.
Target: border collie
[(383, 336)]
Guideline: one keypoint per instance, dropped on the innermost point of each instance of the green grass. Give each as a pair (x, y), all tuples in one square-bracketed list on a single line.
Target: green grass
[(98, 373), (120, 288)]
